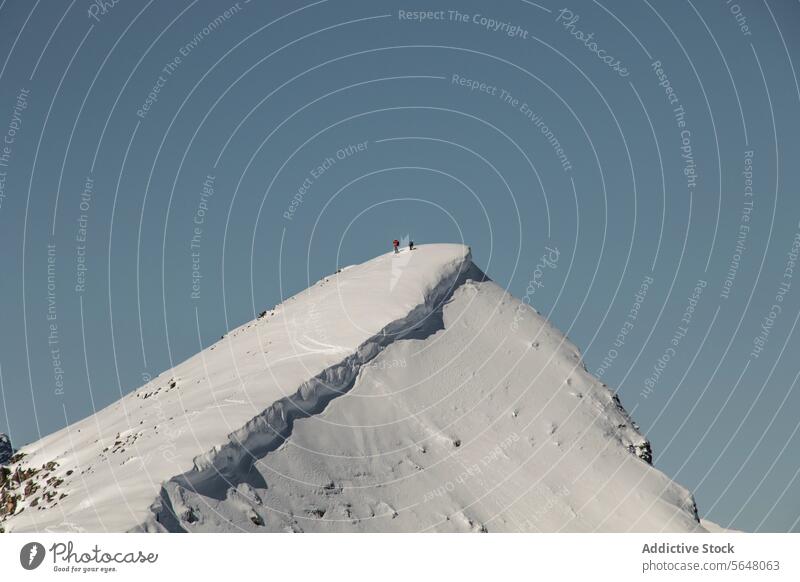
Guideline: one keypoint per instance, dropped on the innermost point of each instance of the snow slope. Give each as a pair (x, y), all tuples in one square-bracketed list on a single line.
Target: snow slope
[(404, 394)]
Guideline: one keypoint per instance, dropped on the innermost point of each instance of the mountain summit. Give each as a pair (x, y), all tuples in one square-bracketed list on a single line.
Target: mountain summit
[(408, 393)]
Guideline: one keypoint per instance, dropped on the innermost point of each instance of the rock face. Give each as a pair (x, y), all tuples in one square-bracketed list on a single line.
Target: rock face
[(6, 450)]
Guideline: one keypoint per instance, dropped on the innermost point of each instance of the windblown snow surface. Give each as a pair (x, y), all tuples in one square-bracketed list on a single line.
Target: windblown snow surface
[(408, 393)]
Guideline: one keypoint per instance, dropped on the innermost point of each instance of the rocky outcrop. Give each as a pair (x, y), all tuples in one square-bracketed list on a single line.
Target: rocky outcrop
[(6, 450)]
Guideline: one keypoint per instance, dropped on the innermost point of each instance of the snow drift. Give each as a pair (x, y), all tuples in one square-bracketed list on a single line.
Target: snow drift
[(409, 393)]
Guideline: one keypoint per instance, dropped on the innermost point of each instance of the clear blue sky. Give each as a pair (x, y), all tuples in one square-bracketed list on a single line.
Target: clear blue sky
[(648, 142)]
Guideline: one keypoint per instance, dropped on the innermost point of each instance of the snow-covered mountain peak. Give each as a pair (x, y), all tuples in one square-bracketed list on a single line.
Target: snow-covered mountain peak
[(405, 393)]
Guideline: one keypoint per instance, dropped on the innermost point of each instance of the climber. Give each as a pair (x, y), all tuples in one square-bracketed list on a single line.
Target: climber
[(396, 245), (411, 245)]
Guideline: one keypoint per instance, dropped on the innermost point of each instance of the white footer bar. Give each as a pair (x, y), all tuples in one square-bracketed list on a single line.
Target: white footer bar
[(414, 557)]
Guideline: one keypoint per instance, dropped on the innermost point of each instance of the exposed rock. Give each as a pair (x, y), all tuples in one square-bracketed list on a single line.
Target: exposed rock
[(6, 450), (644, 451), (10, 505)]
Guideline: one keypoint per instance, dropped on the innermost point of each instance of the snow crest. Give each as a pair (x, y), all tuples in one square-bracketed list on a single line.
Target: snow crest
[(231, 464)]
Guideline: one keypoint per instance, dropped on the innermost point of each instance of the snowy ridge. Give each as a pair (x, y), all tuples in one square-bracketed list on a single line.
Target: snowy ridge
[(102, 473), (226, 466), (460, 439)]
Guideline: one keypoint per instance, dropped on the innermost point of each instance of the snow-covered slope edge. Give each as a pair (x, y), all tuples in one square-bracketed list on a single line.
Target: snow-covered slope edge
[(716, 528), (216, 471)]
